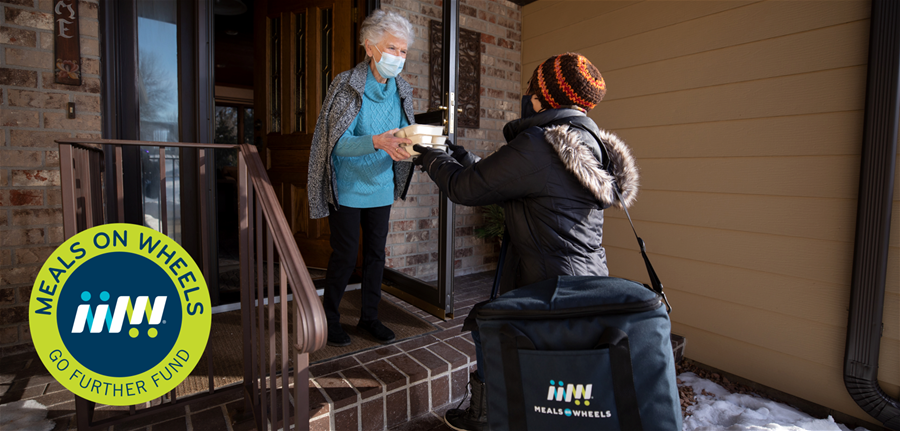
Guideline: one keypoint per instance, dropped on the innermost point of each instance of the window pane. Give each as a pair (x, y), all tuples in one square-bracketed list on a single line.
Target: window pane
[(274, 72), (226, 125), (173, 192), (300, 82), (158, 70), (157, 88), (327, 33), (226, 133), (248, 126)]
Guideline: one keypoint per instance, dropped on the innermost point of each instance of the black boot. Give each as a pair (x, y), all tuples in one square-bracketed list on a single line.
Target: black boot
[(473, 418), (337, 337)]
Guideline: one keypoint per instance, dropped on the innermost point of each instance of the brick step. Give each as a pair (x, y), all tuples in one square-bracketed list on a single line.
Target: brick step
[(390, 386)]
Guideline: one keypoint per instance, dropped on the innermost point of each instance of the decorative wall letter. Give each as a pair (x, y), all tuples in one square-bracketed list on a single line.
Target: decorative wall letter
[(68, 42)]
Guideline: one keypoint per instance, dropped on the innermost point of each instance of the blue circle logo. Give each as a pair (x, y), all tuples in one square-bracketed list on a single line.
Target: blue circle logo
[(120, 314), (115, 323), (568, 412)]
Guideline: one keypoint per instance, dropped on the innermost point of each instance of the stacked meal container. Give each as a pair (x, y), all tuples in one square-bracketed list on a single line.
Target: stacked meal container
[(424, 135)]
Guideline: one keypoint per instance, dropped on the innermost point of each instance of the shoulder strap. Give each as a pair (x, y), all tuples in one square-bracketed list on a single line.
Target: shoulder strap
[(504, 245), (654, 279)]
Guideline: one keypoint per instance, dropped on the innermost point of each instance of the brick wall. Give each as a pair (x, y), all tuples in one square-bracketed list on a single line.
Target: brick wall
[(32, 111), (33, 114), (413, 241)]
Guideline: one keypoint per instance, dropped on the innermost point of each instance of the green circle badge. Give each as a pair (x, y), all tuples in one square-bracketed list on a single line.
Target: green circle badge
[(120, 314)]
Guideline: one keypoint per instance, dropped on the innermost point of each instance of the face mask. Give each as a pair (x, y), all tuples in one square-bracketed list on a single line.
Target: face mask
[(527, 107), (390, 65)]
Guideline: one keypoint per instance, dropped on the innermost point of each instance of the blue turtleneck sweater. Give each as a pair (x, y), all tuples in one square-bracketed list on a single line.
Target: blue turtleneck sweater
[(365, 176)]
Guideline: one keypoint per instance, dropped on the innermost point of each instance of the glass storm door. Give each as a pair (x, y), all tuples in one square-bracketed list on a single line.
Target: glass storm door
[(436, 295)]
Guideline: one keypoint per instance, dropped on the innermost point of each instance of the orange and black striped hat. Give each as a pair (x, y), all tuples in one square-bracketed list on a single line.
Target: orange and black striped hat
[(567, 79)]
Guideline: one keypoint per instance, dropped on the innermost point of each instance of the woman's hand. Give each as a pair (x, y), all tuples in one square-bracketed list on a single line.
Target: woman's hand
[(391, 144)]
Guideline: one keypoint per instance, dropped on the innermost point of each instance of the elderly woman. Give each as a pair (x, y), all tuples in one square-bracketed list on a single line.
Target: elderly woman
[(554, 177), (356, 167)]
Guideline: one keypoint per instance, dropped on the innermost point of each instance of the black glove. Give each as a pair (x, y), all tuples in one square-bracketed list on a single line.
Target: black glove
[(421, 150), (456, 151)]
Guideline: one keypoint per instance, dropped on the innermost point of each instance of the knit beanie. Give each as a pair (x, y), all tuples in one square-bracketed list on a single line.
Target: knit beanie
[(567, 79)]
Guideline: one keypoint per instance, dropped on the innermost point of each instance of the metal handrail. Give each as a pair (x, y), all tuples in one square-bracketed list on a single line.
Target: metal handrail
[(81, 170), (93, 142), (314, 335)]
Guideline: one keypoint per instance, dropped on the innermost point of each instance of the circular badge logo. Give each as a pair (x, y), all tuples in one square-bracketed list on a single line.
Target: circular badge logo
[(120, 314)]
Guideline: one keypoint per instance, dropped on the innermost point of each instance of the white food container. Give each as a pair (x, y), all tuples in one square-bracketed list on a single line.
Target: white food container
[(421, 139), (413, 153), (419, 129)]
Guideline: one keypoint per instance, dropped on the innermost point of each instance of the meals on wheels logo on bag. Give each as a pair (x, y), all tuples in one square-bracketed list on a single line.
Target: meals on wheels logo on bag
[(120, 314)]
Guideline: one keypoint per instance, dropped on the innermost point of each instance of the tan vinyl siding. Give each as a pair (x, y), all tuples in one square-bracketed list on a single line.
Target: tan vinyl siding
[(746, 119)]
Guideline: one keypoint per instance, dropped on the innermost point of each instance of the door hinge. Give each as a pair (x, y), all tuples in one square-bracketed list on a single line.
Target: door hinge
[(355, 14)]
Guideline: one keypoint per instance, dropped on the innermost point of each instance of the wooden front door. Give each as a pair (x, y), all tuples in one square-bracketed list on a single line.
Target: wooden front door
[(306, 44)]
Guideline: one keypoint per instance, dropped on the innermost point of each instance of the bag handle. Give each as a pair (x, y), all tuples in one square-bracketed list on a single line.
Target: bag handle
[(616, 341), (504, 245), (511, 341)]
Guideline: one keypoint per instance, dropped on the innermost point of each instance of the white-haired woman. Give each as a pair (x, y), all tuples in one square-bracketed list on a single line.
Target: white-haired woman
[(356, 167)]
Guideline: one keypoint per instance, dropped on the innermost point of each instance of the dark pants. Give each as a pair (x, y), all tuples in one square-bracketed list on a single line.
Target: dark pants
[(345, 224)]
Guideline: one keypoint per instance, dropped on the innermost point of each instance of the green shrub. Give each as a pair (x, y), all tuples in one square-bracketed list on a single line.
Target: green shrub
[(494, 223)]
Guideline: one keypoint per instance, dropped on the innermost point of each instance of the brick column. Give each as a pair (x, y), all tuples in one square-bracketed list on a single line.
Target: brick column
[(32, 115)]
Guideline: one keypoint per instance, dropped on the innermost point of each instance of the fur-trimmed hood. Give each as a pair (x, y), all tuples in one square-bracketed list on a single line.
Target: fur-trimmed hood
[(553, 217), (579, 159)]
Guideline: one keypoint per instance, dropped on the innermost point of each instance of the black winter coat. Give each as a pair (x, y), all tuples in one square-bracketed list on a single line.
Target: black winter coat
[(553, 189)]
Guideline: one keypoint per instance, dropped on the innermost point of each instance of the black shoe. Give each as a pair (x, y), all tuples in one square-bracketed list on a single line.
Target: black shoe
[(337, 337), (377, 329), (474, 418)]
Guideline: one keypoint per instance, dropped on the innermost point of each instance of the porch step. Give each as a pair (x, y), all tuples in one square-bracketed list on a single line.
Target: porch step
[(390, 386), (400, 383)]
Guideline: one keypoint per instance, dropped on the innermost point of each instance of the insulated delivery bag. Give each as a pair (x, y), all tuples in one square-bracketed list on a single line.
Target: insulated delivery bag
[(580, 353)]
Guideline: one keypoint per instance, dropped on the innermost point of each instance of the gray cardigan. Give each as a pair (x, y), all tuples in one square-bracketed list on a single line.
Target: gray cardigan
[(341, 105)]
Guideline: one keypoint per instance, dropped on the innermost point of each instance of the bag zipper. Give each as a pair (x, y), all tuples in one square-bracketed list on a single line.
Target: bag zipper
[(630, 307)]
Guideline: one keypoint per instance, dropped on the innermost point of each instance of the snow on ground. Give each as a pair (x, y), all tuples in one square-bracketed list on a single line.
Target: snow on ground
[(718, 409), (28, 415)]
